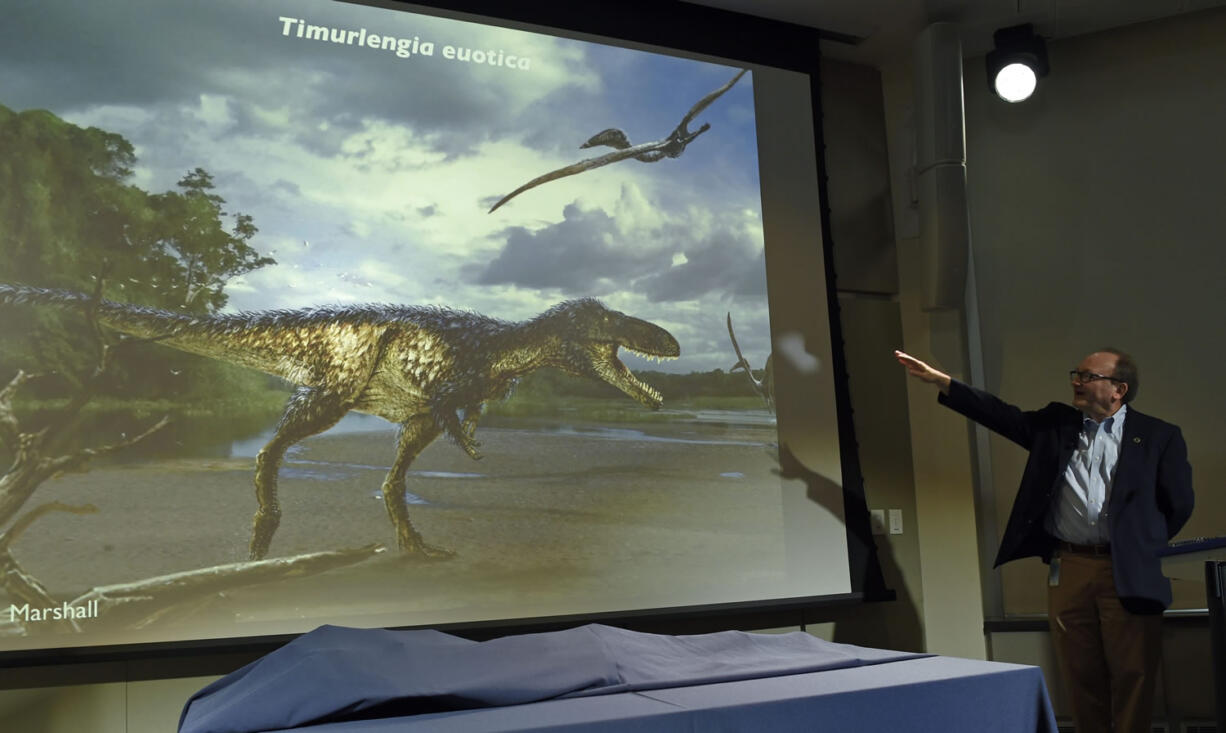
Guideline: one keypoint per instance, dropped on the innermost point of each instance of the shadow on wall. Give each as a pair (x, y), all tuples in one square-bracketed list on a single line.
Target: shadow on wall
[(890, 619)]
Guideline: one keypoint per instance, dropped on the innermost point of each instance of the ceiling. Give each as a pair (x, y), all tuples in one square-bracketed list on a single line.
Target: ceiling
[(888, 27)]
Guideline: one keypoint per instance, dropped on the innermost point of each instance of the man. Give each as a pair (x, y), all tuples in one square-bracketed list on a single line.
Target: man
[(1104, 489)]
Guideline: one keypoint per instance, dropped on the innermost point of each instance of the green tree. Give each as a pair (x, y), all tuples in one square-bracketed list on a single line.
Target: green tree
[(69, 218), (64, 210), (189, 230)]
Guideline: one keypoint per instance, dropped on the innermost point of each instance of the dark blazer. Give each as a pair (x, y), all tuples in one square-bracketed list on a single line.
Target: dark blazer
[(1151, 496)]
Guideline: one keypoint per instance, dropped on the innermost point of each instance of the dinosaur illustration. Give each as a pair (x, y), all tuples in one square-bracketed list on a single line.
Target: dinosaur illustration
[(765, 387), (671, 145), (430, 369)]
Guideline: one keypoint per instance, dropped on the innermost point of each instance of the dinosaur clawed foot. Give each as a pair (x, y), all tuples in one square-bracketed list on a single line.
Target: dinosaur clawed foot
[(433, 552), (461, 432), (464, 438), (412, 545), (419, 549), (470, 447), (468, 444)]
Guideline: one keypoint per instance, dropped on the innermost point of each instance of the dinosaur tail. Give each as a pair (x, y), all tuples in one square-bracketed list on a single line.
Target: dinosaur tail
[(134, 320), (295, 345)]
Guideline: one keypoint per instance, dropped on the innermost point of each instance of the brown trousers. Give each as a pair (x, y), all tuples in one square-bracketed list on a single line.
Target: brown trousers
[(1108, 656)]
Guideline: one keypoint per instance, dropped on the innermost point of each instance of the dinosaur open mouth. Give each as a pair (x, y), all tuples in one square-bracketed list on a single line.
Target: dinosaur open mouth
[(616, 373), (597, 334)]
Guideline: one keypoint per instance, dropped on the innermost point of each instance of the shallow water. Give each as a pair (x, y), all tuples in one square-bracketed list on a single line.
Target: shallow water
[(671, 432)]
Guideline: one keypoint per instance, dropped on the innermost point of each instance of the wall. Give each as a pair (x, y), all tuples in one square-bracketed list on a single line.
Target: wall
[(1095, 221), (862, 232), (1095, 211), (947, 544), (108, 697)]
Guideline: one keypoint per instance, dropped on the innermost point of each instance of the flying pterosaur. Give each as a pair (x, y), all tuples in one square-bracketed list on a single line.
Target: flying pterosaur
[(671, 146), (765, 387)]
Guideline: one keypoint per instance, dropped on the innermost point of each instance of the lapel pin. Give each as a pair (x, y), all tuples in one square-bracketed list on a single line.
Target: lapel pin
[(1137, 441)]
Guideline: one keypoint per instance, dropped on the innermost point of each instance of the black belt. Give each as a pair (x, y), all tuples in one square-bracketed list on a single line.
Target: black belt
[(1076, 549)]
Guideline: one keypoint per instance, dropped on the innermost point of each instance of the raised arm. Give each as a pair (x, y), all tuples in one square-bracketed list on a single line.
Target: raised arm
[(923, 372), (983, 407)]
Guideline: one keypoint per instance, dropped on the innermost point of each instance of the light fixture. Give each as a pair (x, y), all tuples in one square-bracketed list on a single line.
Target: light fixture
[(1017, 63)]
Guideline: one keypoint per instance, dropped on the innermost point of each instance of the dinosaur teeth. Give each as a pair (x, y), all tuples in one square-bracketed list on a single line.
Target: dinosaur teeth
[(649, 357)]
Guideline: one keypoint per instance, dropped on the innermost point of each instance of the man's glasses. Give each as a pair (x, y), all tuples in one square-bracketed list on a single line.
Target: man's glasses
[(1081, 377)]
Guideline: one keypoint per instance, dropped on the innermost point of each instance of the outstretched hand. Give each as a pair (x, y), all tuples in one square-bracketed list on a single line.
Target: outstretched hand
[(923, 371)]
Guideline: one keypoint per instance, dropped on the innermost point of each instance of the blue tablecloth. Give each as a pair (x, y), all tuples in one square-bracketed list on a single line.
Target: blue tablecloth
[(342, 674)]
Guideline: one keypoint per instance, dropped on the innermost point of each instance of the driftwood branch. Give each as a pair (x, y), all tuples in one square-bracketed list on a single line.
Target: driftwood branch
[(30, 468), (10, 429), (25, 589), (80, 457), (31, 465), (132, 605), (18, 582), (140, 603), (10, 535)]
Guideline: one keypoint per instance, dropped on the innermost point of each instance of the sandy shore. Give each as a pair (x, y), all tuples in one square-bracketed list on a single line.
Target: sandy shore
[(547, 523)]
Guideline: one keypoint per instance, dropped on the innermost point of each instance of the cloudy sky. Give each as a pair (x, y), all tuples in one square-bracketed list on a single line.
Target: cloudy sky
[(369, 175)]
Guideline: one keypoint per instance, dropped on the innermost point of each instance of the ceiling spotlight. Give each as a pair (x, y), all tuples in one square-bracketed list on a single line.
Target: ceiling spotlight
[(1017, 63)]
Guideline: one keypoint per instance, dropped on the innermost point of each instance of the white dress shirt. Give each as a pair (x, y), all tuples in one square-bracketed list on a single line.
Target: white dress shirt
[(1079, 512)]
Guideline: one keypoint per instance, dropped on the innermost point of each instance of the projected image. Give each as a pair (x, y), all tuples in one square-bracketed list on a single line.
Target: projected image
[(316, 312)]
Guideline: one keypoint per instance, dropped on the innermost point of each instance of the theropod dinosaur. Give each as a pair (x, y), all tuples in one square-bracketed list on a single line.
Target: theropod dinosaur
[(429, 369)]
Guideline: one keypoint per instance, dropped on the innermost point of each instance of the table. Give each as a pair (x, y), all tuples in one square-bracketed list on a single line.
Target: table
[(1205, 558), (945, 694)]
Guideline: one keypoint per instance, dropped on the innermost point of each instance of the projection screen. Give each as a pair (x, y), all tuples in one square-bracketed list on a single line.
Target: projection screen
[(323, 312)]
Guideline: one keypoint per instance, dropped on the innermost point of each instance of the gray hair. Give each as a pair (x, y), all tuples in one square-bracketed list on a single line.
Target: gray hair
[(1125, 371)]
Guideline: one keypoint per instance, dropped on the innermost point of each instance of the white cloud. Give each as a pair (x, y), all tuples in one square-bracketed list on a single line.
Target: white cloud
[(387, 167)]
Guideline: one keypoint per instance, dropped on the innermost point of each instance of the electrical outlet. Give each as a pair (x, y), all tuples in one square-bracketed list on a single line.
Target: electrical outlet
[(877, 521), (895, 521)]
